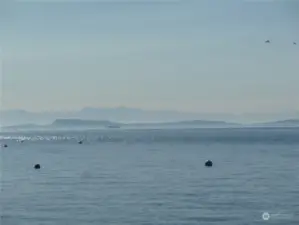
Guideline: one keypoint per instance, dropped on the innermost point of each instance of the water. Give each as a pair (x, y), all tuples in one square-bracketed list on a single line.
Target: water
[(136, 177)]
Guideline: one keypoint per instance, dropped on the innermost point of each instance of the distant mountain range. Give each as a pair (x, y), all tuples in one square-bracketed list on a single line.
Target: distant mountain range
[(89, 124), (132, 115), (281, 123), (123, 114), (98, 124)]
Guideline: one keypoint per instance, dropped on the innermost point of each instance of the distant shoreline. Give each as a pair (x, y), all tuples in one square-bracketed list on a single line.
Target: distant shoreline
[(70, 124)]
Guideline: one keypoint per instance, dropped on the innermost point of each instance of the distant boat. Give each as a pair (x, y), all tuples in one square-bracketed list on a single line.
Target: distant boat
[(113, 126)]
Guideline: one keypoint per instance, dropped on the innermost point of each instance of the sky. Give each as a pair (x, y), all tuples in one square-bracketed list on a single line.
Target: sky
[(186, 55)]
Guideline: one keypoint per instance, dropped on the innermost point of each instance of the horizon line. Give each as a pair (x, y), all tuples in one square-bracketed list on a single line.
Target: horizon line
[(149, 110)]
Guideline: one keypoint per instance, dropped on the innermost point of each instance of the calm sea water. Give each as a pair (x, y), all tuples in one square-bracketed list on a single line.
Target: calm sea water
[(136, 177)]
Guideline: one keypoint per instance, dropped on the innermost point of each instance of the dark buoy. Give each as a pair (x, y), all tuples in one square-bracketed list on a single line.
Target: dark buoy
[(37, 166), (209, 163), (80, 142), (5, 145), (268, 41), (294, 43)]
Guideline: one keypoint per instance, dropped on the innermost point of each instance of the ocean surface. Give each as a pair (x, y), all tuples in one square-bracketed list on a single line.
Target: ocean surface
[(151, 177)]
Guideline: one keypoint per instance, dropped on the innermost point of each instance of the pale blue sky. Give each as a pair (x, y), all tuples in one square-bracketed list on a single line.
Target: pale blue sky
[(201, 55)]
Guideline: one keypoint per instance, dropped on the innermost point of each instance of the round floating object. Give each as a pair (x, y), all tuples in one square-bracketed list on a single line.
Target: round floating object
[(5, 145), (36, 166), (208, 163), (80, 142)]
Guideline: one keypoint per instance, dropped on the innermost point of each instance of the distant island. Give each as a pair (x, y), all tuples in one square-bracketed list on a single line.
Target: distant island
[(70, 124), (100, 124), (109, 124), (15, 117), (82, 123), (281, 123)]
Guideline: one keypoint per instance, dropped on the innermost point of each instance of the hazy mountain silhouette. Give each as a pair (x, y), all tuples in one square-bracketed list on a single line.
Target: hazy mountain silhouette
[(79, 124), (67, 124), (124, 114), (281, 123)]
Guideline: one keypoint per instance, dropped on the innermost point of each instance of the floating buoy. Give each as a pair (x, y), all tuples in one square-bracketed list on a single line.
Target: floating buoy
[(36, 166), (80, 142), (209, 163), (5, 145)]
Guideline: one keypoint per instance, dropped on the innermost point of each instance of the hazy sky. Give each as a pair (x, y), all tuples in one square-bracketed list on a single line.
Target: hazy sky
[(201, 55)]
